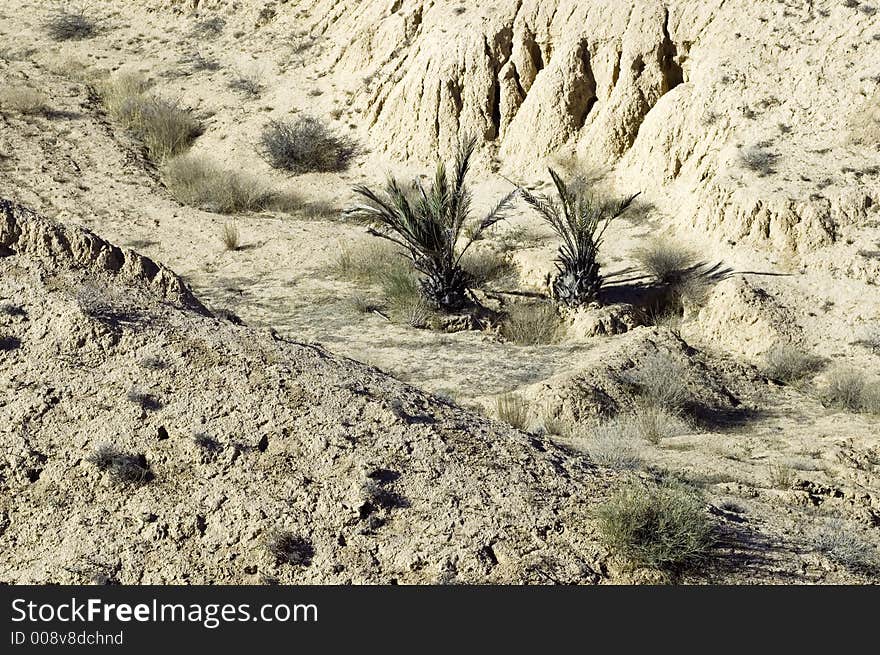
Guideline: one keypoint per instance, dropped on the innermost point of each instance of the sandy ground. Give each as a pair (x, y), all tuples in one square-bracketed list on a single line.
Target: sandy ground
[(73, 164)]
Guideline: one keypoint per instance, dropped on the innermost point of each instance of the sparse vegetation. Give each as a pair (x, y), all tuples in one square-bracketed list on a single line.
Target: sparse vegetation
[(164, 128), (513, 410), (531, 324), (248, 83), (580, 218), (70, 25), (841, 542), (782, 476), (850, 390), (664, 260), (662, 526), (654, 422), (122, 466), (661, 380), (230, 237), (613, 444), (758, 159), (288, 548), (305, 144), (197, 182), (486, 266), (427, 224), (23, 100), (790, 364)]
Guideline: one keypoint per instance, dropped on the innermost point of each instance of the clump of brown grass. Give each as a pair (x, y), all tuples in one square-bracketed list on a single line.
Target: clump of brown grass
[(664, 260), (790, 364), (850, 390), (23, 100), (531, 324), (513, 410), (197, 182), (231, 237), (164, 128)]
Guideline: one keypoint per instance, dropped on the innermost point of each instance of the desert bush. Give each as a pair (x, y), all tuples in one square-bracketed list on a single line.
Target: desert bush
[(427, 223), (758, 159), (197, 182), (248, 83), (70, 25), (662, 526), (198, 62), (144, 400), (664, 260), (531, 324), (781, 475), (614, 444), (850, 390), (288, 548), (485, 266), (23, 100), (840, 542), (209, 27), (230, 236), (790, 364), (660, 380), (122, 466), (580, 218), (163, 127), (368, 262), (305, 144), (513, 410), (654, 422)]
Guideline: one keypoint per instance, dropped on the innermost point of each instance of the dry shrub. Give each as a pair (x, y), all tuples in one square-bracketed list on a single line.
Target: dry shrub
[(661, 380), (513, 410), (614, 444), (70, 25), (230, 237), (662, 526), (841, 542), (122, 466), (531, 324), (790, 364), (197, 182), (486, 266), (305, 144), (163, 127), (664, 260), (850, 390), (23, 100)]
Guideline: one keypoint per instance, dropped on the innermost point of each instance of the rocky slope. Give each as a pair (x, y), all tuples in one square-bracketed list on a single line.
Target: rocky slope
[(246, 435)]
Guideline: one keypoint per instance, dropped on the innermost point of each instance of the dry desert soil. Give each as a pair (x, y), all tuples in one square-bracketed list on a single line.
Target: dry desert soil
[(211, 372)]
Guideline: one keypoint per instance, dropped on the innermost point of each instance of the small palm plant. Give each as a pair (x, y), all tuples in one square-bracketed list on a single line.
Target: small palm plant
[(580, 219), (428, 224)]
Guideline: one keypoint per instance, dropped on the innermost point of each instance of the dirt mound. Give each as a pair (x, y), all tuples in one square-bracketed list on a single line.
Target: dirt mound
[(230, 436)]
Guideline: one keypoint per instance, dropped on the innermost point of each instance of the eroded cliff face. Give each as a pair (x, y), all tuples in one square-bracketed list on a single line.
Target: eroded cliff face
[(754, 121)]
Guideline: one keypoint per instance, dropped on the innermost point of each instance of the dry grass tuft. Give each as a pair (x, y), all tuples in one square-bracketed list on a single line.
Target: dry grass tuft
[(790, 364), (664, 260), (230, 237), (513, 410), (23, 100), (163, 127), (305, 144), (531, 324), (662, 526), (850, 390), (70, 25), (197, 182)]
